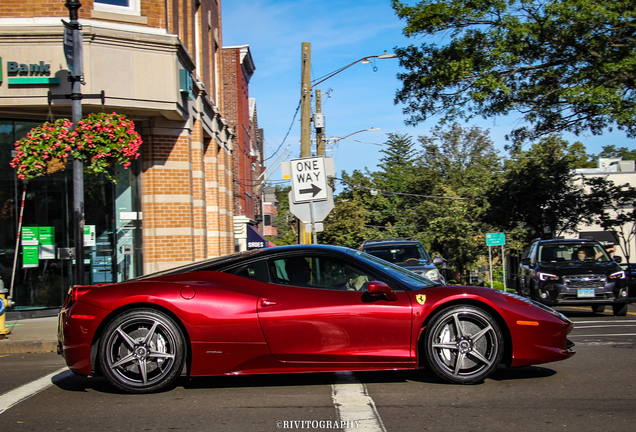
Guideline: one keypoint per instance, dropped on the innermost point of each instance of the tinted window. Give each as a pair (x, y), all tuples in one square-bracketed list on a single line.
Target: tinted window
[(572, 253), (400, 254), (255, 270), (412, 280), (319, 271)]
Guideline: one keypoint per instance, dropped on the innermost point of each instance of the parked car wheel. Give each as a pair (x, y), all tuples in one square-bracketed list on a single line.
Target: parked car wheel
[(619, 309), (142, 351), (464, 345), (598, 309)]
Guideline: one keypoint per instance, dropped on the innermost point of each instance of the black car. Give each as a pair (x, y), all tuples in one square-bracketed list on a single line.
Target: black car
[(573, 272), (405, 252)]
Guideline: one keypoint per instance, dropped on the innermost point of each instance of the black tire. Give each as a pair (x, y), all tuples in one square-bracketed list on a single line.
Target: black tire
[(598, 309), (141, 351), (464, 345), (619, 309)]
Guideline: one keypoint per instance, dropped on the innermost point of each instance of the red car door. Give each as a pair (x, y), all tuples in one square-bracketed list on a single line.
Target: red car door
[(325, 325)]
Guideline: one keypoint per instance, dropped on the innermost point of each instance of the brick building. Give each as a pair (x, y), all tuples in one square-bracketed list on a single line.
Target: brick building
[(241, 114), (159, 63)]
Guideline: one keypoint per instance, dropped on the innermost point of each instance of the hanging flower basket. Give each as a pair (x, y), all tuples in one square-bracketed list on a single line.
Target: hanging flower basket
[(99, 141)]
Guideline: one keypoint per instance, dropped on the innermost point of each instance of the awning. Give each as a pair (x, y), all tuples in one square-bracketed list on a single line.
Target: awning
[(256, 240)]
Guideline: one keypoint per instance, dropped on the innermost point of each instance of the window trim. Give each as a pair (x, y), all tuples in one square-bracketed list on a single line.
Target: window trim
[(133, 8)]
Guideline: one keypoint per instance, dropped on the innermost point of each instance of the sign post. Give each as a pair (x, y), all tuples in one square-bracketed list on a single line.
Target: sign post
[(496, 239)]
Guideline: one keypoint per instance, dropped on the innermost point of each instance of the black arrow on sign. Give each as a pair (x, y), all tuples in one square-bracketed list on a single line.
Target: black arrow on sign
[(315, 189)]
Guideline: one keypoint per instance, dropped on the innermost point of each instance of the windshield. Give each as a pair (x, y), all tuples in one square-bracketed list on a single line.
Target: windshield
[(412, 280), (400, 254), (572, 253)]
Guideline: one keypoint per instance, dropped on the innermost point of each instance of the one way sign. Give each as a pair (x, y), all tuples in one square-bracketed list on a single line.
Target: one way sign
[(309, 179)]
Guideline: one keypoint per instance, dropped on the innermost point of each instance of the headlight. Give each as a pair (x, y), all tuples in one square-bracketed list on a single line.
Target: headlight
[(618, 275), (548, 277), (515, 298), (432, 274)]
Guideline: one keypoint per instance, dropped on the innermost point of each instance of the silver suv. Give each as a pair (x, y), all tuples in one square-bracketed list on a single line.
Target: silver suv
[(405, 252)]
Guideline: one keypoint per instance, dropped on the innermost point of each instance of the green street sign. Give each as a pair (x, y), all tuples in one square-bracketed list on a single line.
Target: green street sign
[(46, 235), (495, 239), (30, 235), (30, 256)]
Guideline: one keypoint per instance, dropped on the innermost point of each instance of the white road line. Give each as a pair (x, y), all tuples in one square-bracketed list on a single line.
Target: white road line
[(595, 335), (19, 394), (599, 321), (604, 326), (354, 405)]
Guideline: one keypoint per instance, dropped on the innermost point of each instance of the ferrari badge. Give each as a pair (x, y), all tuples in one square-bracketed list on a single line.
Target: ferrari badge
[(421, 299)]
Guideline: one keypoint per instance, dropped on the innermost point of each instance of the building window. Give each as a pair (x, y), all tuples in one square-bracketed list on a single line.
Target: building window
[(268, 220), (130, 7)]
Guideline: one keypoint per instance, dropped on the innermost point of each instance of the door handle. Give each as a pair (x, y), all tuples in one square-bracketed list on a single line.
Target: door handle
[(266, 302)]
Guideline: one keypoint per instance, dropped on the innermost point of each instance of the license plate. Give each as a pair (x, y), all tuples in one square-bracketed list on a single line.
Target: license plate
[(585, 292)]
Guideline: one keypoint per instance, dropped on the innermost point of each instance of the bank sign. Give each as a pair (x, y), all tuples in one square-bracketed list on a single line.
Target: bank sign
[(26, 73)]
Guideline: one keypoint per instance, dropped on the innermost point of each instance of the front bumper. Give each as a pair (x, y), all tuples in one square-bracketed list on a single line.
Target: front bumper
[(555, 294)]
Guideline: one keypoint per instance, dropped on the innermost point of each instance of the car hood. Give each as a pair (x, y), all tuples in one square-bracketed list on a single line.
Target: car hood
[(576, 268)]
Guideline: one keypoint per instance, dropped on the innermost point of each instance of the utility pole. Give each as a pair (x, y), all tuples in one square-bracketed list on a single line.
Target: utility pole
[(319, 122), (305, 102)]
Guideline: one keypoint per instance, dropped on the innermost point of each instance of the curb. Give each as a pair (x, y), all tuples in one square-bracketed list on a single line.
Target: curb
[(21, 347)]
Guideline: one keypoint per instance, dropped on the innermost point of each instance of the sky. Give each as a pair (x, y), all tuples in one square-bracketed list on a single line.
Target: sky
[(360, 97)]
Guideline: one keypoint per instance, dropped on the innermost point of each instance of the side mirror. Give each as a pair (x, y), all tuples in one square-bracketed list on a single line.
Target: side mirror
[(525, 261), (618, 259), (376, 288), (438, 261)]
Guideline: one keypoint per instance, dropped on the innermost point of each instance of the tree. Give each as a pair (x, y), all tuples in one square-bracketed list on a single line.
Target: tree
[(460, 165), (611, 151), (345, 225), (383, 194), (285, 221), (613, 208), (538, 192), (565, 65)]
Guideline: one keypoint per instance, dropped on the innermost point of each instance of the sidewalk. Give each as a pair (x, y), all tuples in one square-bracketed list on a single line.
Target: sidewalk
[(30, 335)]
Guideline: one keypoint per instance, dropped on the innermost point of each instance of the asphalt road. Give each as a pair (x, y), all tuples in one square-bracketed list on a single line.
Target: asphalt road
[(593, 391)]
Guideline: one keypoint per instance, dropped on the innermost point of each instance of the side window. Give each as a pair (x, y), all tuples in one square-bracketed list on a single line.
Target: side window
[(533, 253), (256, 271), (318, 271)]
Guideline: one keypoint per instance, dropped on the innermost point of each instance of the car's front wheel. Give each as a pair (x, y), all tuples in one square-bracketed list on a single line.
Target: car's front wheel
[(141, 351), (599, 309), (619, 309), (464, 344)]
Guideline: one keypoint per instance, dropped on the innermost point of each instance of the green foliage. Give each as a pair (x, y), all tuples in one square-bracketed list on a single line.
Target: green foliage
[(285, 221), (98, 141), (565, 65), (537, 191)]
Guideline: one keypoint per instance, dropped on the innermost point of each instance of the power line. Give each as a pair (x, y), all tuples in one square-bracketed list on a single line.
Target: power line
[(287, 134), (389, 193)]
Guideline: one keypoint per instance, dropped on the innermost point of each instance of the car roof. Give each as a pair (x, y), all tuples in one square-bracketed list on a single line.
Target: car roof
[(220, 262), (568, 241), (390, 241)]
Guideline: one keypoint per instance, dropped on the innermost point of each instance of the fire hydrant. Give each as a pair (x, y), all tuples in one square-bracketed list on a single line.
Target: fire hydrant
[(3, 308)]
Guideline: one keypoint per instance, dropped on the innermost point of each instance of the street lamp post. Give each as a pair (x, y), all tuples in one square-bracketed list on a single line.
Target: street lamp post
[(306, 89), (76, 78)]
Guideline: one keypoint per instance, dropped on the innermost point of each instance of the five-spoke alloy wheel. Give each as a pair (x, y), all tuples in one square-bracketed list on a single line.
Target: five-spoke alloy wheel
[(141, 351), (464, 344)]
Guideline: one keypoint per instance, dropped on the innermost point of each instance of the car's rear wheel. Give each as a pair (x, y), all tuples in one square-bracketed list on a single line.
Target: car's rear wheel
[(619, 309), (464, 344), (141, 351), (598, 308)]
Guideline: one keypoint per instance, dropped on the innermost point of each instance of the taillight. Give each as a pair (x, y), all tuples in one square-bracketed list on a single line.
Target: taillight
[(79, 290)]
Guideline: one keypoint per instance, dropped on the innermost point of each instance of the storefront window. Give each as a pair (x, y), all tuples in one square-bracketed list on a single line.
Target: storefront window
[(44, 271)]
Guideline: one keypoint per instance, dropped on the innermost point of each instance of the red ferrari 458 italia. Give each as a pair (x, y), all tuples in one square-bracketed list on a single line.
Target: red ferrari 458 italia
[(302, 308)]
